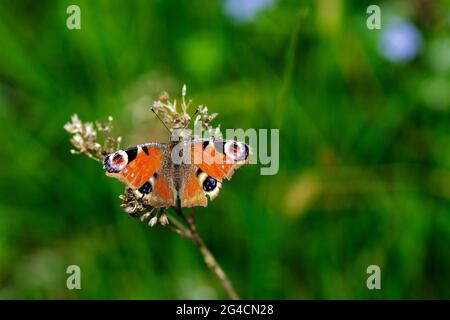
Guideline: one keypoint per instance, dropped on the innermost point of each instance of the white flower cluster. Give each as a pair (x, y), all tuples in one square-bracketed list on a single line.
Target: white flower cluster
[(84, 138), (168, 113)]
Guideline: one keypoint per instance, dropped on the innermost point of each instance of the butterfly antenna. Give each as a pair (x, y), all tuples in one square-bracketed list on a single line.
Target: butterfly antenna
[(153, 110), (193, 115)]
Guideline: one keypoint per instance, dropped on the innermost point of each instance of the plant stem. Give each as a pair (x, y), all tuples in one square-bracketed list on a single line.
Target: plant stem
[(192, 234)]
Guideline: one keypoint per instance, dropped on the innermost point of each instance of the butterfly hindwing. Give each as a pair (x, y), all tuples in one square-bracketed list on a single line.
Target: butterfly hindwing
[(191, 192), (163, 193)]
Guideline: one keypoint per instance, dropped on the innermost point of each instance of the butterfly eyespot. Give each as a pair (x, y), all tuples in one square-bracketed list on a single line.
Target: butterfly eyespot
[(209, 184), (115, 162), (236, 151), (146, 188)]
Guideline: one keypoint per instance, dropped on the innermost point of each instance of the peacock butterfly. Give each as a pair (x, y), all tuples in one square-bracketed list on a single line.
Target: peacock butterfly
[(154, 172)]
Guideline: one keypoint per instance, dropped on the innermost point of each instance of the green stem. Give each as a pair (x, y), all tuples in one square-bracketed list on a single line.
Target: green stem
[(208, 257)]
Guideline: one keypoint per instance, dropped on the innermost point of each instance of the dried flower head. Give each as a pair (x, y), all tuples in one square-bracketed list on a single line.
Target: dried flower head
[(131, 204), (202, 123), (167, 111), (175, 119), (84, 138)]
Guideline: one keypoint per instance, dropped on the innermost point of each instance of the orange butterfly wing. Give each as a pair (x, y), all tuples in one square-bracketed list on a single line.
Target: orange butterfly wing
[(149, 172), (212, 162), (218, 158), (144, 170), (192, 193)]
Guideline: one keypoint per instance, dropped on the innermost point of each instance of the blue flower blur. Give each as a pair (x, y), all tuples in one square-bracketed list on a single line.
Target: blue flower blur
[(245, 10), (400, 42)]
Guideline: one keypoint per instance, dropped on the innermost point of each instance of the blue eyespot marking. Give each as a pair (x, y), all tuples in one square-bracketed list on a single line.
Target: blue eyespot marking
[(209, 184), (146, 188)]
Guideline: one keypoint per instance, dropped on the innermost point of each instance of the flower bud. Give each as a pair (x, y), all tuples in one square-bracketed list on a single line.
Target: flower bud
[(163, 220), (153, 221)]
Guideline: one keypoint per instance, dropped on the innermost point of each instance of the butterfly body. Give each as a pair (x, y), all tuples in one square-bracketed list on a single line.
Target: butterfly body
[(185, 168)]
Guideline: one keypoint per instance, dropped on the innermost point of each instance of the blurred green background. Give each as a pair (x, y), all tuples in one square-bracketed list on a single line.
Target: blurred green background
[(364, 147)]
